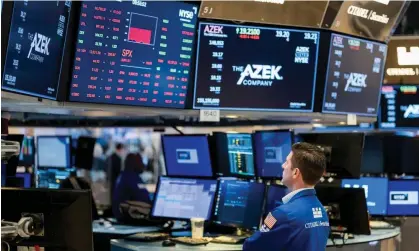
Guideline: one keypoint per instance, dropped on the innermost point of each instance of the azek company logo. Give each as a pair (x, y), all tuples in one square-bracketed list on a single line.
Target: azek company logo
[(260, 75), (356, 82), (411, 112), (40, 43)]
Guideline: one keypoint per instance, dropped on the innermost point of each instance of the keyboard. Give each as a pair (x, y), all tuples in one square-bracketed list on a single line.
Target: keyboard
[(191, 242), (229, 239), (380, 225), (146, 237)]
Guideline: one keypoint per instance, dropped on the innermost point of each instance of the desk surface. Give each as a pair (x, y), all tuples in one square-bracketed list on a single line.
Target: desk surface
[(126, 229), (124, 245)]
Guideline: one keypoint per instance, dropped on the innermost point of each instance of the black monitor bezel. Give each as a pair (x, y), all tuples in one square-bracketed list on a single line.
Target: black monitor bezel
[(52, 136), (257, 174), (186, 135), (214, 217), (217, 182)]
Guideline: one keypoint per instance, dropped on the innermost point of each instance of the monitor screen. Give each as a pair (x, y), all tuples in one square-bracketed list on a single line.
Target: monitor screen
[(51, 177), (35, 48), (230, 73), (187, 155), (375, 192), (373, 155), (372, 19), (399, 107), (274, 197), (239, 203), (343, 152), (53, 151), (355, 72), (280, 12), (403, 198), (27, 151), (134, 53), (271, 151), (240, 154), (402, 63), (27, 179), (181, 198)]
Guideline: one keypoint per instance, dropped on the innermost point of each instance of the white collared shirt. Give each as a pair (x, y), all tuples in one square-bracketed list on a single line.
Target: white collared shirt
[(289, 196)]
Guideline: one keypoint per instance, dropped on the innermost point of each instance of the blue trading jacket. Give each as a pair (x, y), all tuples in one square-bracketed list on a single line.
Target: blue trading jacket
[(299, 225)]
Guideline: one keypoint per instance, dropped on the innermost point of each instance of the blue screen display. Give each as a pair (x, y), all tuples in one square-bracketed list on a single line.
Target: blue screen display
[(240, 154), (375, 192), (271, 150), (53, 151), (35, 48), (134, 53), (239, 203), (187, 156), (403, 198), (274, 197), (26, 179), (184, 198)]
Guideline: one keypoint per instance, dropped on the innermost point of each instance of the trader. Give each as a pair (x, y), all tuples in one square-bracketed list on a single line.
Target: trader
[(301, 222)]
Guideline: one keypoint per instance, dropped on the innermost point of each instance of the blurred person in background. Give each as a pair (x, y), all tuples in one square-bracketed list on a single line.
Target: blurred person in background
[(114, 163)]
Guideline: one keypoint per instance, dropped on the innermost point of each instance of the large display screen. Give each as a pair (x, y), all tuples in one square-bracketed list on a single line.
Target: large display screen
[(403, 198), (399, 107), (402, 63), (187, 155), (35, 48), (372, 19), (232, 74), (374, 192), (184, 198), (294, 13), (134, 53), (239, 203), (271, 151), (354, 75)]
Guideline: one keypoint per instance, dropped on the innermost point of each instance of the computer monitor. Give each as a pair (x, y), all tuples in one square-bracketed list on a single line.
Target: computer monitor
[(401, 154), (271, 151), (403, 198), (54, 151), (239, 204), (187, 155), (27, 179), (84, 152), (343, 152), (48, 177), (347, 207), (373, 155), (375, 192), (274, 197), (182, 198), (232, 154), (66, 216)]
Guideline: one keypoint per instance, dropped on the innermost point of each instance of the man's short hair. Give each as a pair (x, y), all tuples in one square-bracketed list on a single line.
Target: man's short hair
[(310, 160)]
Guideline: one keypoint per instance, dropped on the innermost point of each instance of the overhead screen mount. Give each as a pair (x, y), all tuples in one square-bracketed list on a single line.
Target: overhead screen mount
[(134, 53), (35, 47)]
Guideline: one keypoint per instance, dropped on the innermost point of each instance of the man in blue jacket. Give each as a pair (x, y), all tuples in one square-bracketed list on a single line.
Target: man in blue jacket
[(300, 223)]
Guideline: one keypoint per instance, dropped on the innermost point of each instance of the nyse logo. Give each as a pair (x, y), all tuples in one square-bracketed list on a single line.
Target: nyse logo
[(213, 29), (408, 58), (399, 197), (260, 75), (40, 43), (356, 82), (186, 14), (411, 112)]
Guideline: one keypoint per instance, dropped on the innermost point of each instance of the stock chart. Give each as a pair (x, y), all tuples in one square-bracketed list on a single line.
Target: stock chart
[(236, 64), (134, 53)]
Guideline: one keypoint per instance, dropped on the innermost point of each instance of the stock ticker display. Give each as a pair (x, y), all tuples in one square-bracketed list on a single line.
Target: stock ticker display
[(134, 53), (240, 154), (237, 64), (35, 48), (399, 107), (354, 76)]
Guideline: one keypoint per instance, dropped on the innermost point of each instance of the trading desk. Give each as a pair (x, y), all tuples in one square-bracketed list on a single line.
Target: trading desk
[(376, 236)]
